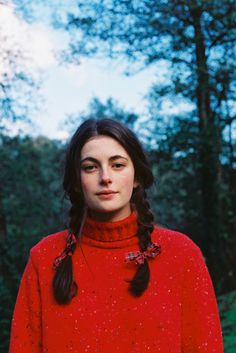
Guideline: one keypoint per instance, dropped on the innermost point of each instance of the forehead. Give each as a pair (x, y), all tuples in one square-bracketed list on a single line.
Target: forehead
[(102, 147)]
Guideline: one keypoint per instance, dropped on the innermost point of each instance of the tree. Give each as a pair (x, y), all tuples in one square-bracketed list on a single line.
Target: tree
[(19, 80), (99, 110), (31, 207), (197, 40)]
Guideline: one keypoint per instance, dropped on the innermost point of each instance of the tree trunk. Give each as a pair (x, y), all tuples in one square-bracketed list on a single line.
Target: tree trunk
[(209, 145)]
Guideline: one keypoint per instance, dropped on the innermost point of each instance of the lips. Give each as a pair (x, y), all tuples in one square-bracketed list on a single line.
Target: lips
[(106, 192)]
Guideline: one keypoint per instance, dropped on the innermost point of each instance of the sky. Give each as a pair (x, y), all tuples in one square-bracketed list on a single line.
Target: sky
[(68, 89)]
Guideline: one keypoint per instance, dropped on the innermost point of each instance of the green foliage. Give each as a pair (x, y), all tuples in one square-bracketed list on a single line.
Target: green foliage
[(227, 307), (176, 197), (31, 207)]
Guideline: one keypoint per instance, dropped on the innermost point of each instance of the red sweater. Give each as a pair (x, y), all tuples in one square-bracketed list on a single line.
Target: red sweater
[(176, 314)]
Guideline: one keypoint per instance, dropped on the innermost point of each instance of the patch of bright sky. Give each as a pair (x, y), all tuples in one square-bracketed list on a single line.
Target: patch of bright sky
[(67, 89), (22, 42)]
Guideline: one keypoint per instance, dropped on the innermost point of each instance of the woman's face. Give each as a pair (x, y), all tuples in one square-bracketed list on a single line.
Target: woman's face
[(107, 178)]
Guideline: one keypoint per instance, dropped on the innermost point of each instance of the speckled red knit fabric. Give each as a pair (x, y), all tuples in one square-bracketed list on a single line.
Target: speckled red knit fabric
[(177, 313)]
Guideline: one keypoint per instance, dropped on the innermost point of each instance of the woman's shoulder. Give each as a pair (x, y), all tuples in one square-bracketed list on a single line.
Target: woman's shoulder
[(51, 244), (174, 241)]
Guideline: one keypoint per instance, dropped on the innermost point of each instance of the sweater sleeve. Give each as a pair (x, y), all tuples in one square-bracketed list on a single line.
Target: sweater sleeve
[(201, 329), (26, 323)]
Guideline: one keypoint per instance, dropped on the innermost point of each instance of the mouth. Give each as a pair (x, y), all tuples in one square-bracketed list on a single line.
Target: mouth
[(106, 192)]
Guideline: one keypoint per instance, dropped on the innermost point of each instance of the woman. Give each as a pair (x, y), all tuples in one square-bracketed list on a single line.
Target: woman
[(112, 282)]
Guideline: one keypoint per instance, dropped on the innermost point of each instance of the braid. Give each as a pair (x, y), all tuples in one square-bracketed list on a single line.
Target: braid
[(145, 227), (64, 287)]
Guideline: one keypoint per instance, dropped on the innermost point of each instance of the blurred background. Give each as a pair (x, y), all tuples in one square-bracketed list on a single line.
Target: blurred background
[(164, 68)]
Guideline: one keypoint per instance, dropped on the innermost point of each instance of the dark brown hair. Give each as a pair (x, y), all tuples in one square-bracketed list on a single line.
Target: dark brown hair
[(64, 286)]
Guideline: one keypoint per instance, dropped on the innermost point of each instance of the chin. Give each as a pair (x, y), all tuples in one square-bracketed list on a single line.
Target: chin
[(107, 209)]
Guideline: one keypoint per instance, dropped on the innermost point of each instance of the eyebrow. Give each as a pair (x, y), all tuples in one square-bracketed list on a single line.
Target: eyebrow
[(112, 158)]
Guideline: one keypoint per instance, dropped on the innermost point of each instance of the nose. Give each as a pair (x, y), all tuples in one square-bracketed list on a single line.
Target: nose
[(105, 177)]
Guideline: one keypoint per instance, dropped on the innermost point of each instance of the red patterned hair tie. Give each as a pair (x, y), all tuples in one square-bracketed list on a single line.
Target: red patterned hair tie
[(71, 241), (139, 256)]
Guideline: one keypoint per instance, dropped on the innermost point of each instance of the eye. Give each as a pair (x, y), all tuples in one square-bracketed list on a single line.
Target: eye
[(118, 165), (89, 168)]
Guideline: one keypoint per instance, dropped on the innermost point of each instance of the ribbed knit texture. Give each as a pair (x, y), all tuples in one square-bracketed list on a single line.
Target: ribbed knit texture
[(176, 314)]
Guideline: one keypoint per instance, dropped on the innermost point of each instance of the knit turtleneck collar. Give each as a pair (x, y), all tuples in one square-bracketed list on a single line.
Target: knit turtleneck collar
[(111, 234)]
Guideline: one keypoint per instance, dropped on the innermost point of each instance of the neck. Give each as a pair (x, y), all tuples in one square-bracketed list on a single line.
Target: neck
[(112, 216)]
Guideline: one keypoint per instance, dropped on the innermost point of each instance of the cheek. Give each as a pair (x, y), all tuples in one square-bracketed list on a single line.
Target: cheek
[(127, 181), (86, 183)]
